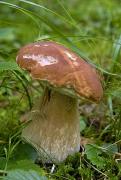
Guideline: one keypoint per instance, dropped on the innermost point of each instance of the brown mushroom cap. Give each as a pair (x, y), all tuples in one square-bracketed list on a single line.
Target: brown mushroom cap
[(61, 68)]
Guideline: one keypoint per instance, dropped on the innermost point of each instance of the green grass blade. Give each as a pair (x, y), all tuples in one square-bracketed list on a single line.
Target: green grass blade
[(23, 10), (117, 48), (4, 66)]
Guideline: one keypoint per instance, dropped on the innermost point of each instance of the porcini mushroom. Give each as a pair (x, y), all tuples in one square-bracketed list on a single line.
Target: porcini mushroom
[(55, 128)]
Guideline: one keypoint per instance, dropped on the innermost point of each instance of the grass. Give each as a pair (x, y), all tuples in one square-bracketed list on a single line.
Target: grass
[(93, 30)]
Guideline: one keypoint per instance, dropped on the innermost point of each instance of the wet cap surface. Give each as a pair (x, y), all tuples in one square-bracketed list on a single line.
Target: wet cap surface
[(61, 68)]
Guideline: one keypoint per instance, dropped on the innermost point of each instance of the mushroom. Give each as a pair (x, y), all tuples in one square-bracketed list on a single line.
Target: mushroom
[(55, 128)]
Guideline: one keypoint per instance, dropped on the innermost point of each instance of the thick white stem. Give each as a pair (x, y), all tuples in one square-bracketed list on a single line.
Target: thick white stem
[(54, 130)]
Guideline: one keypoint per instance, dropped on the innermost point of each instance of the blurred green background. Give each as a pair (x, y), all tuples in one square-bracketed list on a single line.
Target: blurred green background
[(90, 28)]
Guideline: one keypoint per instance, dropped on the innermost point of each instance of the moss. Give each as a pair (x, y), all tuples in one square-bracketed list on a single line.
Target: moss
[(69, 168)]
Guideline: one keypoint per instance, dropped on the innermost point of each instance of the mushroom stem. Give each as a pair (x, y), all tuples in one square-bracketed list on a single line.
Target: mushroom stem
[(55, 129)]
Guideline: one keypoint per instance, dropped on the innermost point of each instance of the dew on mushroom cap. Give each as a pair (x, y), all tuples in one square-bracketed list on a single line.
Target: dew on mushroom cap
[(41, 59)]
